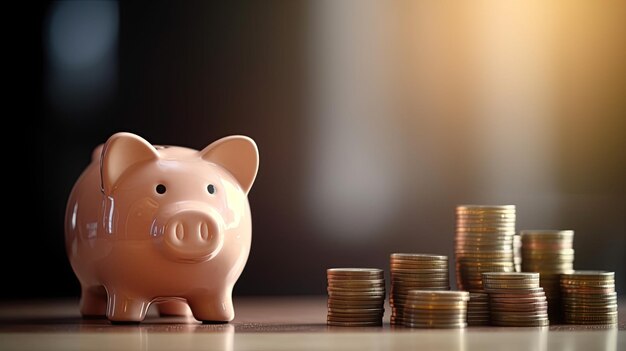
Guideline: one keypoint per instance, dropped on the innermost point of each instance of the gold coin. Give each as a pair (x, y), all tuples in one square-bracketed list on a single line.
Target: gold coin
[(441, 295), (395, 269), (356, 310), (419, 284), (517, 317), (594, 309), (478, 296), (587, 283), (419, 273), (354, 316), (588, 301), (472, 207), (347, 273), (511, 276), (589, 315), (418, 257), (485, 231), (351, 271), (354, 324), (424, 268), (482, 239), (373, 300), (530, 323), (420, 281), (610, 321), (507, 288), (547, 233), (362, 288), (357, 283), (406, 289), (534, 306), (590, 275), (355, 297), (478, 314), (555, 270), (546, 247), (495, 283), (408, 318), (434, 325), (354, 305)]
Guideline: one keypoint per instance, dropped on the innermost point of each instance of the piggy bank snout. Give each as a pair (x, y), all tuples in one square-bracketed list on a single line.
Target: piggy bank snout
[(192, 236)]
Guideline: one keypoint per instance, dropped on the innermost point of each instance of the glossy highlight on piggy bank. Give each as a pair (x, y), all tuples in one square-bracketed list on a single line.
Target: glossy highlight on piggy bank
[(161, 224)]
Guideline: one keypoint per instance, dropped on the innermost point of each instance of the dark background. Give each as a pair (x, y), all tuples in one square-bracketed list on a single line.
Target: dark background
[(187, 73)]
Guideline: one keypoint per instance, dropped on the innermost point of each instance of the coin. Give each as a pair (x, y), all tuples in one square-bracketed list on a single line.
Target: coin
[(478, 309), (489, 208), (433, 309), (589, 297), (516, 293), (551, 253), (508, 307), (607, 321), (356, 283), (354, 324), (409, 278), (354, 317), (358, 289), (543, 322), (483, 243), (356, 297), (419, 257), (516, 299), (412, 270), (354, 273), (356, 310), (611, 307), (510, 276), (353, 304), (415, 271)]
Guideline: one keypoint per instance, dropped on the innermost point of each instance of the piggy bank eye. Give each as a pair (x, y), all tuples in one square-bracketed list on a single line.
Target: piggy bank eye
[(211, 189), (160, 189)]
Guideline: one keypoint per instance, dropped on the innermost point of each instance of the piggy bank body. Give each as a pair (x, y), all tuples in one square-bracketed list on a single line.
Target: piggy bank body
[(168, 225)]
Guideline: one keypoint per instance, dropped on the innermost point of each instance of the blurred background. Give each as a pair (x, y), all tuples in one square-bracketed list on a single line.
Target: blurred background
[(374, 120)]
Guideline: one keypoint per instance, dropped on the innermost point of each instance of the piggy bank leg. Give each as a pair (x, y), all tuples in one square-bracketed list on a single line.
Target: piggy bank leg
[(213, 308), (174, 308), (121, 308), (93, 302)]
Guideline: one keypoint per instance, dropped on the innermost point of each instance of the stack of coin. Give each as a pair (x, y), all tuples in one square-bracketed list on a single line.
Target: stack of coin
[(517, 252), (436, 309), (484, 243), (356, 297), (516, 300), (478, 309), (589, 297), (550, 253), (415, 272)]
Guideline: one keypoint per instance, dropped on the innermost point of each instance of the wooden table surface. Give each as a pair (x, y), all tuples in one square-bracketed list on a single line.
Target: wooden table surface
[(277, 323)]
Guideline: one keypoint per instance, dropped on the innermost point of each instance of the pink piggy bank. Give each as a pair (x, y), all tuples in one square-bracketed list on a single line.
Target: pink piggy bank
[(161, 224)]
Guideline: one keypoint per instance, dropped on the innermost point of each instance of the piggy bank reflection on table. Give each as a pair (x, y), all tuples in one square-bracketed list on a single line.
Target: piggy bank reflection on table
[(161, 224)]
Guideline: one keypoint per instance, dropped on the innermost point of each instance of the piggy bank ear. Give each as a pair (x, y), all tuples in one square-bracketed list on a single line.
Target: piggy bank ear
[(120, 152), (237, 154)]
